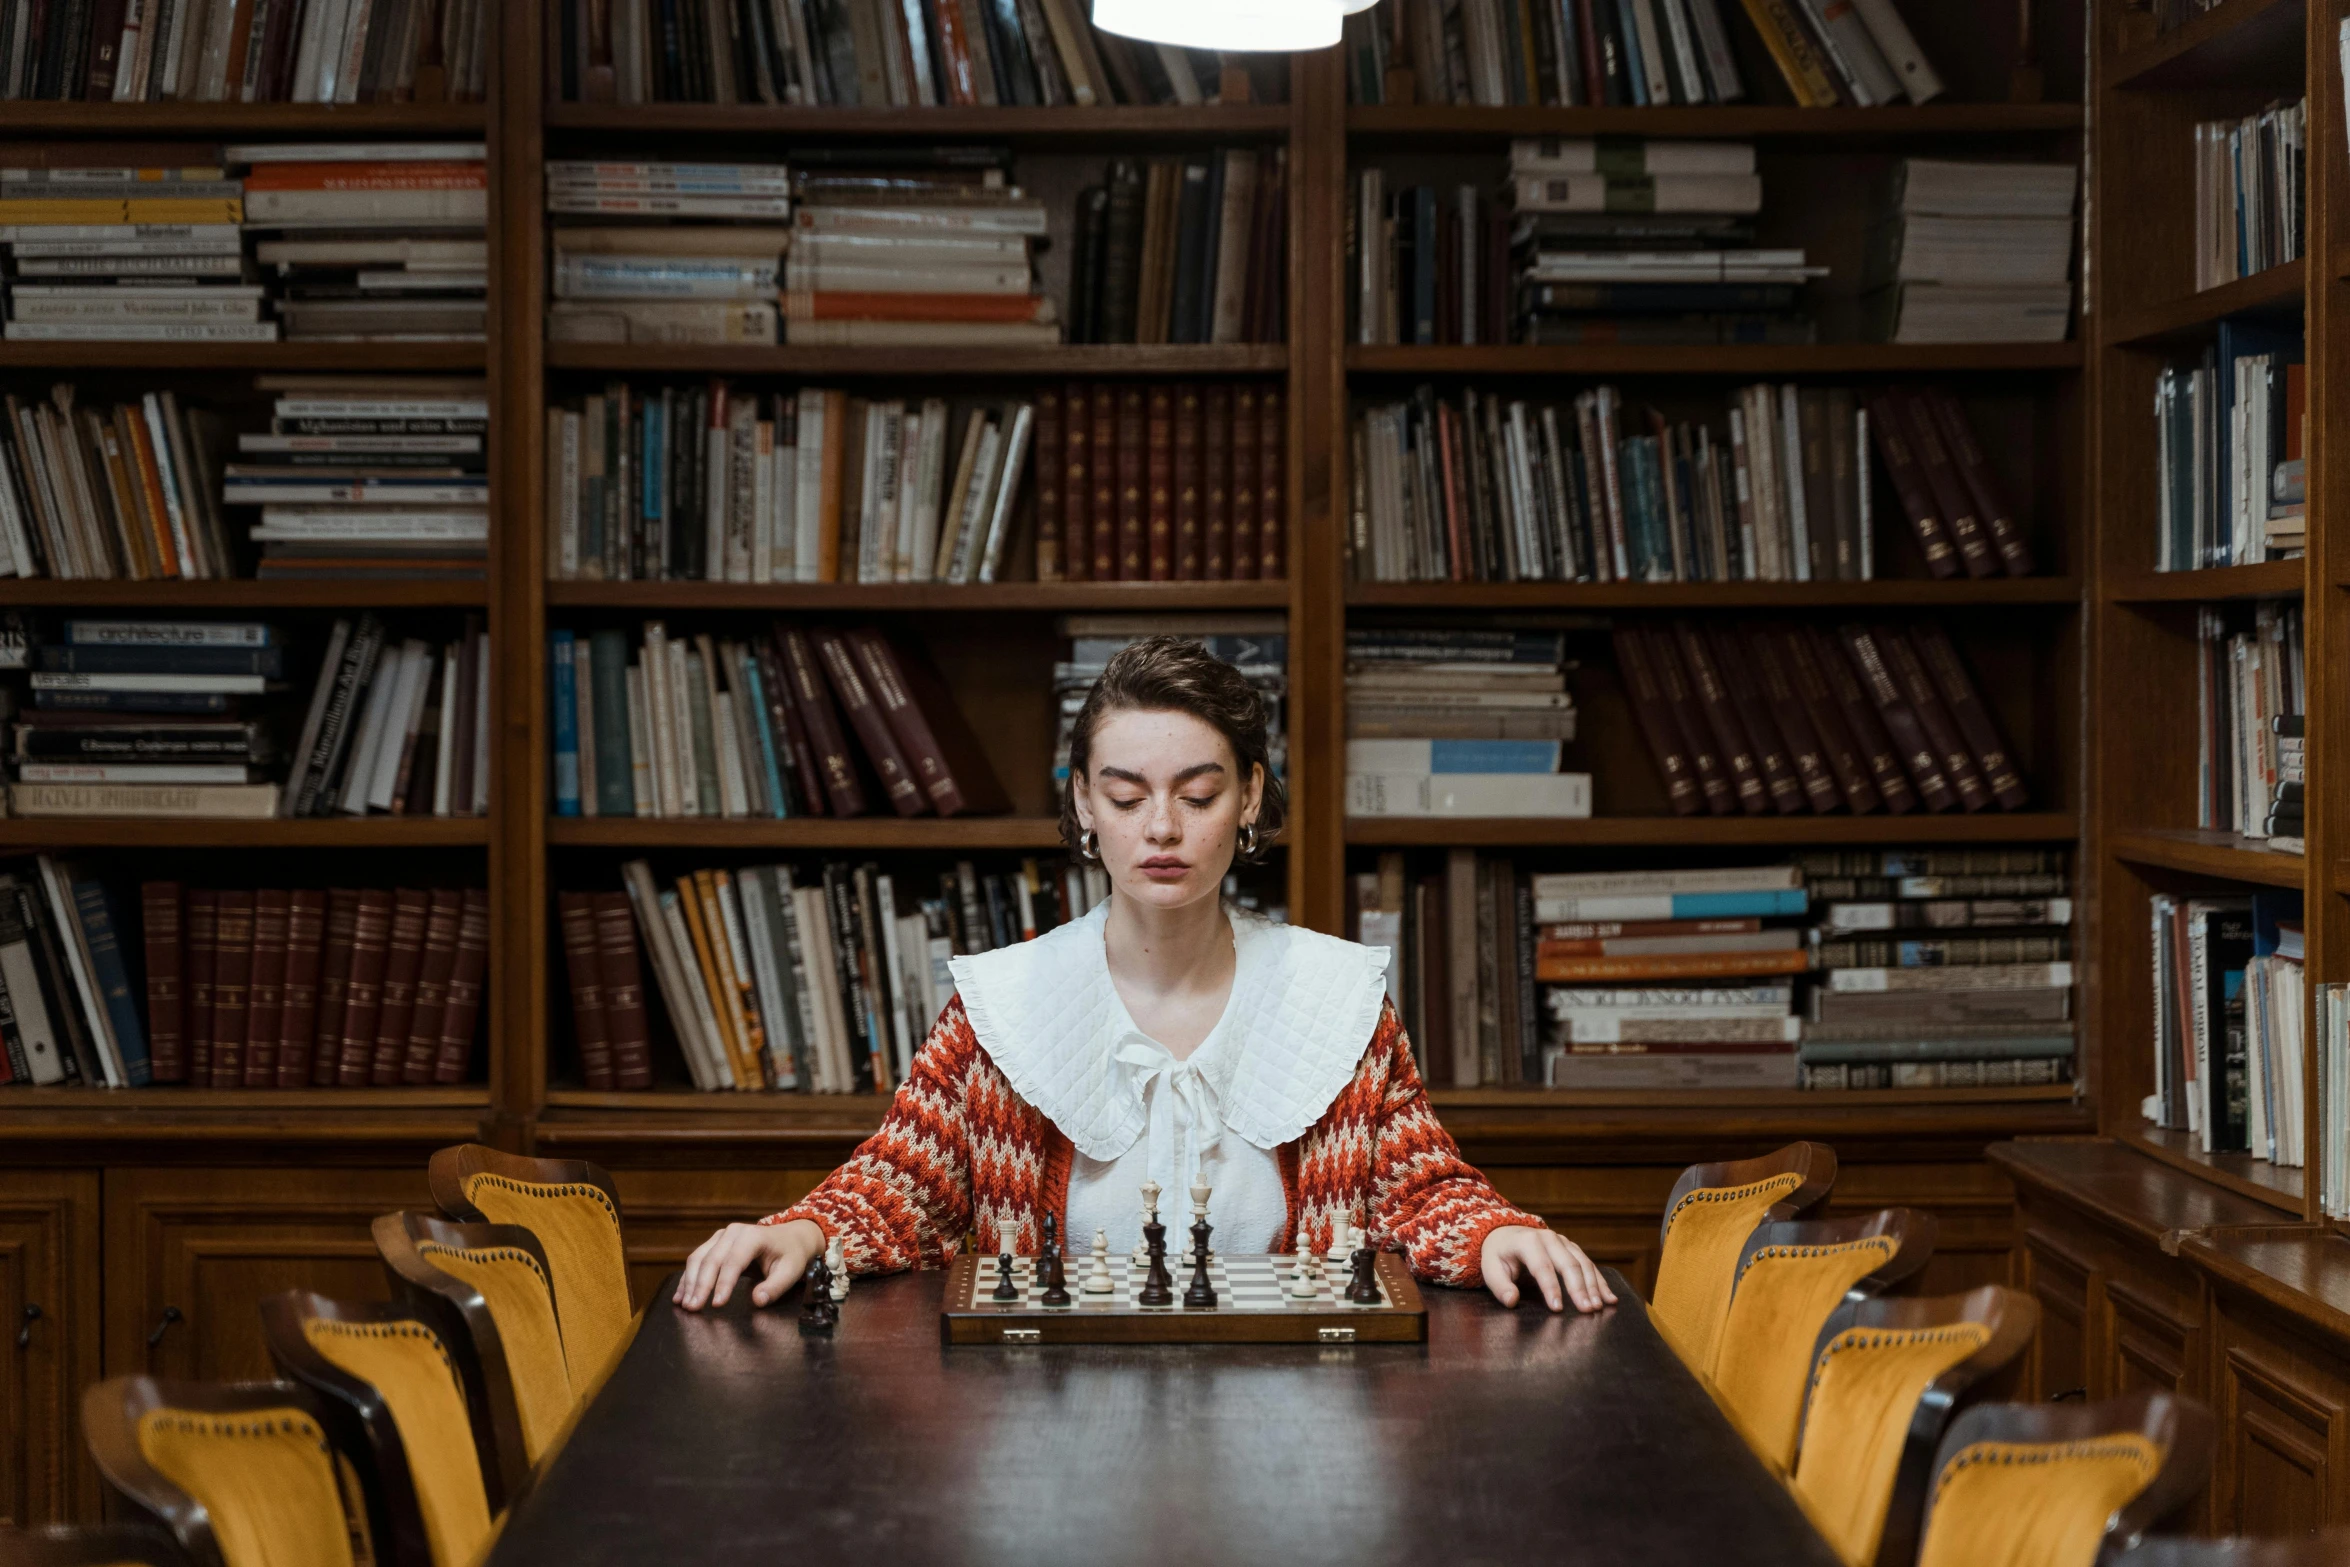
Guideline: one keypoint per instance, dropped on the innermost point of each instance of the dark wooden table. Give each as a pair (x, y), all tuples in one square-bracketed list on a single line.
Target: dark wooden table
[(1511, 1436)]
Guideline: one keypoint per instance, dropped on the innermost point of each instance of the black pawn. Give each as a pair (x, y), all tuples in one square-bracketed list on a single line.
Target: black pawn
[(1202, 1294), (1048, 1268), (1005, 1289), (1363, 1286), (818, 1311), (1158, 1285)]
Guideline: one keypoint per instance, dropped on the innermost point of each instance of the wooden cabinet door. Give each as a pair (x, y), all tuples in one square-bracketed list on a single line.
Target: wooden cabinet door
[(2060, 1281), (2284, 1428), (49, 1304), (191, 1253)]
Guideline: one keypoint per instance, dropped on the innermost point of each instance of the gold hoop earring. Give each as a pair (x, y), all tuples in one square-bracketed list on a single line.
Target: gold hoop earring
[(1248, 840), (1088, 846)]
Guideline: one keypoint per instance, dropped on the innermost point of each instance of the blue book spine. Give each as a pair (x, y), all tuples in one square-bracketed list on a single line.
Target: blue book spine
[(1635, 69), (775, 790), (114, 982), (1738, 905), (656, 429), (563, 692), (1493, 756)]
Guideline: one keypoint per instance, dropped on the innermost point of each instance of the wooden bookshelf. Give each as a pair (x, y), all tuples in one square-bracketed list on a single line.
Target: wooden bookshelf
[(247, 121), (2201, 852), (1407, 124), (239, 593), (1737, 359), (916, 597), (305, 832), (1665, 832), (464, 358), (814, 834), (2267, 579), (1113, 125), (2240, 42), (1888, 593), (2280, 288), (1080, 361)]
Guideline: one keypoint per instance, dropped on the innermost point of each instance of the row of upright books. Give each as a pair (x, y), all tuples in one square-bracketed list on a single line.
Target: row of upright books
[(2251, 691), (1842, 970), (2250, 179), (1183, 250), (239, 51), (866, 54), (2231, 442), (1463, 722), (2229, 1001), (1634, 52)]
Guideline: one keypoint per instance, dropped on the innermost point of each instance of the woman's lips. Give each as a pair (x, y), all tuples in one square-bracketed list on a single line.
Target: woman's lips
[(1163, 868)]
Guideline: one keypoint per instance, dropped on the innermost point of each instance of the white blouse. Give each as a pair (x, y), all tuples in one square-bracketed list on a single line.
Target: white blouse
[(1302, 1009)]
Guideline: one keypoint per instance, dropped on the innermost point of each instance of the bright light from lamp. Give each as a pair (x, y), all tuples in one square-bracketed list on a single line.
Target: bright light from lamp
[(1240, 26)]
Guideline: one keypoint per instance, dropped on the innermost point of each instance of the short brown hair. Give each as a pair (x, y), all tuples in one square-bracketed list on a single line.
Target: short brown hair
[(1177, 675)]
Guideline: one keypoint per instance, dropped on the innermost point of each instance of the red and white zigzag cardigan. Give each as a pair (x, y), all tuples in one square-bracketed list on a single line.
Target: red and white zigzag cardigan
[(962, 1155)]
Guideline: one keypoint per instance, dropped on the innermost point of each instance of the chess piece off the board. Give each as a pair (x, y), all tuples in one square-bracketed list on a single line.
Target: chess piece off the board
[(819, 1312), (836, 1263)]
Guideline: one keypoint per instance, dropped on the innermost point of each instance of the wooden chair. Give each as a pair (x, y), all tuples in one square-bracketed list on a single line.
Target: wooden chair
[(90, 1545), (487, 1291), (2048, 1485), (574, 1210), (2330, 1549), (388, 1381), (1712, 1209), (241, 1475), (1884, 1378), (1791, 1275)]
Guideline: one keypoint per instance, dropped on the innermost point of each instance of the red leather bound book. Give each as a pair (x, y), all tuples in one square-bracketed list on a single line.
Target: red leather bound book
[(805, 681), (462, 1015), (1241, 564), (1713, 774), (783, 718), (1102, 453), (1974, 470), (203, 964), (1187, 483), (1756, 646), (1860, 716), (1159, 476), (1942, 733), (1951, 497), (265, 1010), (1741, 766), (624, 992), (1972, 717), (1762, 727), (232, 988), (1215, 479), (1894, 445), (403, 960), (334, 985), (577, 914), (1900, 719), (881, 747), (432, 985), (1272, 482), (1076, 483), (1594, 64), (1842, 752), (1656, 723), (1133, 481), (938, 746), (297, 1034), (167, 1039), (1052, 469), (363, 992)]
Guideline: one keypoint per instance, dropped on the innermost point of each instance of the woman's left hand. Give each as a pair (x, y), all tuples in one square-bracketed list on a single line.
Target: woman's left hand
[(1519, 1251)]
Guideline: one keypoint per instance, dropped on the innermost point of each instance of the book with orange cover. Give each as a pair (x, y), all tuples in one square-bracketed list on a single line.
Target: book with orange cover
[(856, 305), (1554, 967), (714, 987)]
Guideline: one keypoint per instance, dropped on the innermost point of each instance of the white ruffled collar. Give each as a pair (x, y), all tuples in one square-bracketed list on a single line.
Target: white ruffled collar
[(1303, 1009)]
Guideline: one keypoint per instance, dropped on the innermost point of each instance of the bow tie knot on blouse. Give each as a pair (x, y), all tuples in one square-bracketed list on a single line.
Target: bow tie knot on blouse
[(1186, 1112)]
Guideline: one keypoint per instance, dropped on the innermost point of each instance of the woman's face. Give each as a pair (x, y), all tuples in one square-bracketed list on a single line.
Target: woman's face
[(1165, 801)]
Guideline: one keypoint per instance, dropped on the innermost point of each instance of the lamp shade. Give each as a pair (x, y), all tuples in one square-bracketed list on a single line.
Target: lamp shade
[(1241, 26)]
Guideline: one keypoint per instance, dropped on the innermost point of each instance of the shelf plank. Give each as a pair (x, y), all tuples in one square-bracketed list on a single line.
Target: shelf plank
[(1707, 359), (2242, 1174), (2242, 43), (2267, 579), (338, 1117), (141, 832), (310, 121), (2278, 288), (1081, 360), (922, 596), (1675, 831), (471, 358), (2202, 853), (1746, 122), (241, 593), (1957, 593), (807, 832), (1065, 127)]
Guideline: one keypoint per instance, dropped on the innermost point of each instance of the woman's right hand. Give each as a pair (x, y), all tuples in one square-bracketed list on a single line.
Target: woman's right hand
[(779, 1253)]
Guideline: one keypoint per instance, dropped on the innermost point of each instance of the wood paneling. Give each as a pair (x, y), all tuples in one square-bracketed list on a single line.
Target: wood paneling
[(49, 1318), (2284, 1416)]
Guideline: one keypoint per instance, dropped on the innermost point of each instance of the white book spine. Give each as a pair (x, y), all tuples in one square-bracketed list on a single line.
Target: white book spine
[(640, 758), (763, 501), (1900, 48)]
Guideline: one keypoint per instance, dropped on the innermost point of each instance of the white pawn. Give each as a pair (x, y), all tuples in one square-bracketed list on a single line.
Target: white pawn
[(836, 1259), (1306, 1283), (1098, 1280)]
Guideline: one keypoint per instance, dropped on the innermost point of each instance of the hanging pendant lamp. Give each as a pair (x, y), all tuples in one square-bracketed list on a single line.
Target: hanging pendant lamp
[(1235, 26)]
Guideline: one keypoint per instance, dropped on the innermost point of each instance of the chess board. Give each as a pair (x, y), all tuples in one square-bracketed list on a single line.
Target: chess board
[(1253, 1305)]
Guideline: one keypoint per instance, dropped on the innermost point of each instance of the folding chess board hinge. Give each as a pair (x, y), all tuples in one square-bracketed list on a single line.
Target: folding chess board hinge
[(1337, 1335), (1036, 1335)]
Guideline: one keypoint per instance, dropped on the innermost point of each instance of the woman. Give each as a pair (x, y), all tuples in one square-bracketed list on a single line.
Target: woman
[(1162, 1037)]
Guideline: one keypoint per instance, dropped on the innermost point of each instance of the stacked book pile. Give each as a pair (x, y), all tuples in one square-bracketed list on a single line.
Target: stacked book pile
[(2231, 475), (127, 254), (1938, 968), (92, 491), (66, 1015), (226, 51), (394, 727), (2228, 1007), (776, 979), (697, 258), (349, 987), (703, 726), (2285, 816), (2250, 175), (1161, 482), (2252, 684), (372, 241), (1459, 723), (1785, 718), (368, 477), (1183, 250), (148, 718), (1972, 253), (1256, 645)]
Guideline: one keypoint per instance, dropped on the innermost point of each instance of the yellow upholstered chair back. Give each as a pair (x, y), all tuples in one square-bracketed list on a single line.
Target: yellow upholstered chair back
[(572, 1209), (521, 1299), (406, 1364), (2044, 1485), (1882, 1385), (1712, 1210)]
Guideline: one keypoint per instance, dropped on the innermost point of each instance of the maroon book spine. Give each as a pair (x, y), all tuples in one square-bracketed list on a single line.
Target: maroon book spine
[(1909, 483), (1900, 719), (1241, 561), (265, 1011), (297, 1033), (1051, 468), (1187, 483), (1845, 759), (232, 988), (462, 1015), (1713, 777), (783, 718), (881, 747), (404, 957), (1740, 764), (1102, 453), (1957, 506), (203, 963), (334, 985), (1950, 748), (1974, 720), (1272, 483), (1974, 470), (1215, 484), (167, 1040), (1159, 473), (363, 992), (624, 992), (806, 684), (1860, 716), (1133, 486), (432, 985), (916, 743), (1761, 725), (1805, 750), (1656, 724), (1076, 483), (578, 917)]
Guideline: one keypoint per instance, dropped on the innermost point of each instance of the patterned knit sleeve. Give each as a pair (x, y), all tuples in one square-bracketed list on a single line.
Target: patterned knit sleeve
[(904, 1196), (1436, 1206)]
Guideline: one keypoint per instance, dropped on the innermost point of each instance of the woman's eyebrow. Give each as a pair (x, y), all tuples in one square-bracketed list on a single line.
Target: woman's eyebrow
[(1196, 770)]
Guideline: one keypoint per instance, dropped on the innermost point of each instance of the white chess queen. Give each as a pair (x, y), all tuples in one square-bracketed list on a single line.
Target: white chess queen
[(1165, 1037)]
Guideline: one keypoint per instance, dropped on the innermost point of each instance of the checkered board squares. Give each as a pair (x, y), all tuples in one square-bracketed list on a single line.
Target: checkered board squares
[(1252, 1282), (1253, 1305)]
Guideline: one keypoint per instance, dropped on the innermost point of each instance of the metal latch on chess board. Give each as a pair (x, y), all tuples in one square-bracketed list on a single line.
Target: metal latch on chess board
[(1337, 1335), (1036, 1335)]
